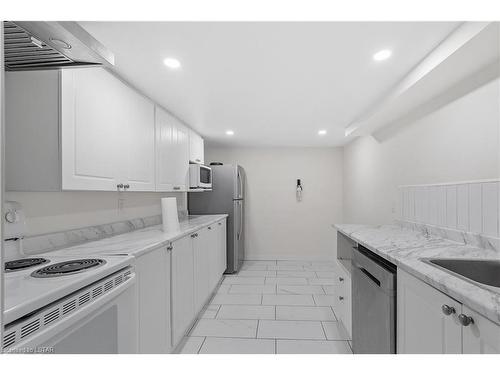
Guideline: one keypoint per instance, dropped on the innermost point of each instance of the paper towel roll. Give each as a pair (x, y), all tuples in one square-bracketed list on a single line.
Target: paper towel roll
[(170, 219)]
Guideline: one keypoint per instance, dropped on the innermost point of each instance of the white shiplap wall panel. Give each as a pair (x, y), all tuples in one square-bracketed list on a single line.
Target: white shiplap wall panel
[(463, 207), (411, 204), (475, 208), (441, 206), (490, 208), (466, 206), (433, 194), (451, 206)]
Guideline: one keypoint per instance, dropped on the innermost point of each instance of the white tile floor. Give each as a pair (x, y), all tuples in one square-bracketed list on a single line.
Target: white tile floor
[(271, 307)]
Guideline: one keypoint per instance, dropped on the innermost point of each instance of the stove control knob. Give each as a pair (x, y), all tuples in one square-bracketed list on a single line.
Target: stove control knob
[(11, 216)]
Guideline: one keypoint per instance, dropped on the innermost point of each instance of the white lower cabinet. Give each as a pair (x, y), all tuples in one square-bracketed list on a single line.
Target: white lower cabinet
[(421, 324), (202, 257), (342, 299), (182, 276), (153, 270), (222, 243), (482, 336), (196, 270), (428, 322)]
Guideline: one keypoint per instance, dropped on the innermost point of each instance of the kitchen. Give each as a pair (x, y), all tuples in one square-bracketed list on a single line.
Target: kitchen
[(166, 194)]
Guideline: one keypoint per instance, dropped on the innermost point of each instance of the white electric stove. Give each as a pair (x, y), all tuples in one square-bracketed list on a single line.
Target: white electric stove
[(66, 304)]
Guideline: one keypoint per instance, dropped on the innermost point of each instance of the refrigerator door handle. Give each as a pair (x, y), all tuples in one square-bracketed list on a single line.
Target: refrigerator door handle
[(241, 221), (239, 186)]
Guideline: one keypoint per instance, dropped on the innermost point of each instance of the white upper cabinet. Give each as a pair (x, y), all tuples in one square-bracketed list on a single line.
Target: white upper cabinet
[(138, 154), (90, 136), (196, 148), (172, 153), (88, 130), (107, 133)]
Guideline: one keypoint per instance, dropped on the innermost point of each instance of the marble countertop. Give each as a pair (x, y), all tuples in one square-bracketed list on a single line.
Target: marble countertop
[(405, 248), (140, 241)]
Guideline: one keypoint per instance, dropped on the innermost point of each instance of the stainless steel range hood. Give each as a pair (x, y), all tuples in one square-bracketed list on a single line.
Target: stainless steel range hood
[(36, 45)]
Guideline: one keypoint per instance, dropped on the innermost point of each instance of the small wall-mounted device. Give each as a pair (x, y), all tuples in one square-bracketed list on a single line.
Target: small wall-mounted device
[(299, 190)]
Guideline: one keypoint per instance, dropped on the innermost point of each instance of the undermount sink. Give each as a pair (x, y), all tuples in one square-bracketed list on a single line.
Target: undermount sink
[(486, 272)]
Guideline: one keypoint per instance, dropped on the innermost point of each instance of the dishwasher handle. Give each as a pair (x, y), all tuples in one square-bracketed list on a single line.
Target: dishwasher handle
[(368, 274)]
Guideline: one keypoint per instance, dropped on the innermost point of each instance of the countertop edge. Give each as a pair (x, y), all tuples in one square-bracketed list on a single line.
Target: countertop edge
[(491, 314)]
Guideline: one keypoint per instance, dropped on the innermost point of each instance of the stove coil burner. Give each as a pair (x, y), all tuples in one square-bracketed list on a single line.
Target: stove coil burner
[(68, 268), (21, 264)]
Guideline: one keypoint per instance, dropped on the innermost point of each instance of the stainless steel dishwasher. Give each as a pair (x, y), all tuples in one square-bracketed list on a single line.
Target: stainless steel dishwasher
[(373, 303)]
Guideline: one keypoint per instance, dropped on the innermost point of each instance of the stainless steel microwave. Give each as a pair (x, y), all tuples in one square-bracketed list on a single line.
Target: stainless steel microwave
[(200, 176)]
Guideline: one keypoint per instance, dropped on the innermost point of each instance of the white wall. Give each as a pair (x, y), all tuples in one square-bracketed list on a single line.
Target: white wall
[(276, 225), (57, 211), (458, 142)]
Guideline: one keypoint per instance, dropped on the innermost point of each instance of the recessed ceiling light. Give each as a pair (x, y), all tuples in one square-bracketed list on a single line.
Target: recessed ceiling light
[(229, 132), (321, 132), (172, 63), (382, 55)]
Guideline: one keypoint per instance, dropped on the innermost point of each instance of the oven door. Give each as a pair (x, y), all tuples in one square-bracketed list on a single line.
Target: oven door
[(107, 325)]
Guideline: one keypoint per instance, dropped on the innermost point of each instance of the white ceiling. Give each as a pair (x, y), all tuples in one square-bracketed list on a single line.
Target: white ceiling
[(274, 84)]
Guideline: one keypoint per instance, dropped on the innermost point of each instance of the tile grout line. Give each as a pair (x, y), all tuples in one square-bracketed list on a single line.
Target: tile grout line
[(335, 315), (201, 346), (324, 332), (217, 313), (271, 338), (257, 330)]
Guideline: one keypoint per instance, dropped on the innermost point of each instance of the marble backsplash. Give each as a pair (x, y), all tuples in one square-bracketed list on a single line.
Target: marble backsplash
[(465, 212), (59, 240)]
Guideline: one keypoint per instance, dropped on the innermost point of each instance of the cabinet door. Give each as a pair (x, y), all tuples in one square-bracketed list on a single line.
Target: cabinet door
[(342, 300), (91, 138), (153, 270), (213, 249), (222, 246), (422, 327), (183, 311), (482, 336), (137, 156), (172, 153), (182, 156), (196, 148), (201, 268)]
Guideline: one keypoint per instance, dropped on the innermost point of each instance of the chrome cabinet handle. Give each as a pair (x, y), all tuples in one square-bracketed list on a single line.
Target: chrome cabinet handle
[(177, 188), (209, 228), (193, 235), (465, 320), (169, 248), (220, 223), (341, 279), (448, 310), (126, 186), (119, 186), (341, 298)]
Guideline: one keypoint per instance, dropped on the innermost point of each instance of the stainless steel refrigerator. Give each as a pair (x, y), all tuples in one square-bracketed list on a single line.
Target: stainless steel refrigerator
[(226, 197)]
